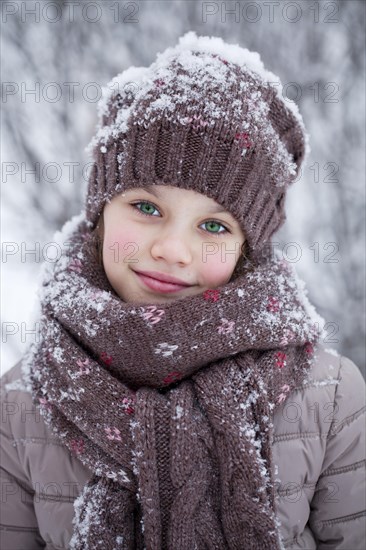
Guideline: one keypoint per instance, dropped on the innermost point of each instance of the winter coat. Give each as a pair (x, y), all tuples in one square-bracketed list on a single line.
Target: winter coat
[(318, 450)]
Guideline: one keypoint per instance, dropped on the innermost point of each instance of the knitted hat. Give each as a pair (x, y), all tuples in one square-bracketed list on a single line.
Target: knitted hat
[(205, 116)]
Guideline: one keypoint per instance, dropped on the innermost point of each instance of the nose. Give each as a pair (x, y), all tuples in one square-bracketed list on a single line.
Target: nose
[(171, 248)]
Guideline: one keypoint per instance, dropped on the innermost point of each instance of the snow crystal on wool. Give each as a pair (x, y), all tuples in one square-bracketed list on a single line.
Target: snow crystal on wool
[(91, 328), (135, 76), (302, 294), (265, 316), (58, 354), (252, 399), (214, 45), (134, 425), (62, 295), (72, 395), (28, 362), (92, 499), (47, 271), (62, 236), (178, 412), (132, 77), (121, 159)]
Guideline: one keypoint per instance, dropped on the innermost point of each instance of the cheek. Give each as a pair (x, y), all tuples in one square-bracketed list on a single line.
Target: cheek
[(121, 246), (218, 268)]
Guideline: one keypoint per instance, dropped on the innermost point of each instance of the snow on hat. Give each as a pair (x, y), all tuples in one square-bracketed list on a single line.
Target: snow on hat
[(205, 116)]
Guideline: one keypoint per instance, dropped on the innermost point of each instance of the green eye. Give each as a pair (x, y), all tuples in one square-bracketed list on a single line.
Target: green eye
[(151, 207), (218, 225), (148, 206)]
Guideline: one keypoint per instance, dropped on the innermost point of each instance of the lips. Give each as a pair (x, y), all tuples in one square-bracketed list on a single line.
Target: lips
[(163, 278), (158, 285)]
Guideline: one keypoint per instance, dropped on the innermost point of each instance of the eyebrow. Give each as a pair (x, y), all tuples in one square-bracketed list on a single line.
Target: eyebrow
[(214, 210)]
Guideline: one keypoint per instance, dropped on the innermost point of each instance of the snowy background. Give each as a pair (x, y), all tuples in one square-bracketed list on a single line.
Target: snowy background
[(57, 55)]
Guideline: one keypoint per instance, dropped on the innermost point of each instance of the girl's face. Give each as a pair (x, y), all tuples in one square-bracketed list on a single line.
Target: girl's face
[(174, 232)]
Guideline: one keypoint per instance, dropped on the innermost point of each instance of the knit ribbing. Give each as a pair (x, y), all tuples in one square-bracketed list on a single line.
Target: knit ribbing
[(163, 413)]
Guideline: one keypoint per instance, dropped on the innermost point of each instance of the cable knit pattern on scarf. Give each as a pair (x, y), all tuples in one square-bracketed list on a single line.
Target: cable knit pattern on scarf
[(169, 405)]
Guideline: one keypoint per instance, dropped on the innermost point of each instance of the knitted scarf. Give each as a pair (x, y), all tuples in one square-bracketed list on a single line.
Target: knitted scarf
[(170, 406)]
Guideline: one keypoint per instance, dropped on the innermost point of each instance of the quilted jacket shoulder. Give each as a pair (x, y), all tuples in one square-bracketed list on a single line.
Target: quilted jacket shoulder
[(318, 457), (319, 450), (40, 478)]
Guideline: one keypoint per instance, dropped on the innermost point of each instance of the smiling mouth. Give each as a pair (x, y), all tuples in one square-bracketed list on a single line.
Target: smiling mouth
[(159, 286)]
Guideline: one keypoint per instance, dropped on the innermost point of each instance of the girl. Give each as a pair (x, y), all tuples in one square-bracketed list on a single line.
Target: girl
[(178, 396)]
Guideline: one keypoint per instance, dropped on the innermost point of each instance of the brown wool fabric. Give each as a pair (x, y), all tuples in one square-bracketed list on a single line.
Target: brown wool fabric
[(171, 406)]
